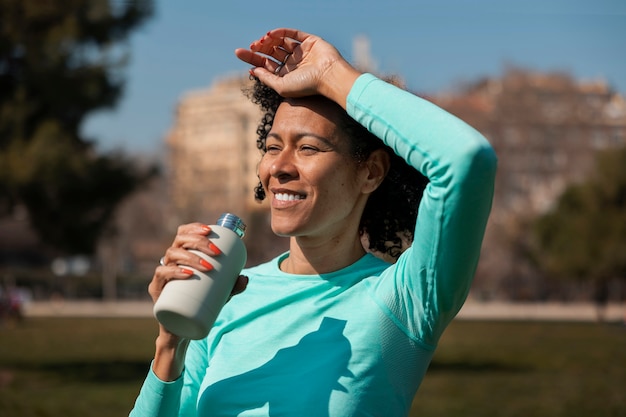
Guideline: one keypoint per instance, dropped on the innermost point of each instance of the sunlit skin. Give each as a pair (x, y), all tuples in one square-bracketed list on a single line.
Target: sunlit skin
[(317, 191)]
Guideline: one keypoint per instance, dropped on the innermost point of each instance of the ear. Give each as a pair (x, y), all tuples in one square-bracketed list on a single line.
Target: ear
[(376, 167)]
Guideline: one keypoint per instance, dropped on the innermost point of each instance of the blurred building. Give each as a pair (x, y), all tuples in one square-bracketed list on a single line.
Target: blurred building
[(213, 158), (546, 129), (212, 152)]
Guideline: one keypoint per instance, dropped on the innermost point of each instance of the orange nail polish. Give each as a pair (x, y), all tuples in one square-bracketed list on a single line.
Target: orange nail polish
[(206, 264), (206, 228), (186, 271), (214, 248)]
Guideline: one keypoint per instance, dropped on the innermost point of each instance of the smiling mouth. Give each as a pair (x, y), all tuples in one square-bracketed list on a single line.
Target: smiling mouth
[(288, 197)]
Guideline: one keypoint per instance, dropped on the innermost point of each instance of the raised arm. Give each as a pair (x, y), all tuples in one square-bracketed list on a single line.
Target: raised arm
[(432, 278)]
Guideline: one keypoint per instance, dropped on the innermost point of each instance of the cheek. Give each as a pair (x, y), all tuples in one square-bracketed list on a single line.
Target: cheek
[(344, 178), (339, 186)]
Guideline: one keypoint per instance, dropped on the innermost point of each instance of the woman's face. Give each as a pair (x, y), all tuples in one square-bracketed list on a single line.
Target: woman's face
[(315, 187)]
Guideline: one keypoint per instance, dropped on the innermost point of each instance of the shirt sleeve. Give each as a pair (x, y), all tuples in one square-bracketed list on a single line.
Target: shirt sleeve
[(159, 398), (426, 287)]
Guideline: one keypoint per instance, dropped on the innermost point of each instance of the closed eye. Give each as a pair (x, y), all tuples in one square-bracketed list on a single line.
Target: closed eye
[(308, 149), (272, 149)]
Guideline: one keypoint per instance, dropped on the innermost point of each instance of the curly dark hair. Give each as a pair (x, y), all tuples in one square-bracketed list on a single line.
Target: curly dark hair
[(391, 210)]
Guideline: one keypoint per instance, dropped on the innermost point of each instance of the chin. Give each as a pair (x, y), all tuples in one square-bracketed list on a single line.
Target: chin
[(283, 228), (282, 231)]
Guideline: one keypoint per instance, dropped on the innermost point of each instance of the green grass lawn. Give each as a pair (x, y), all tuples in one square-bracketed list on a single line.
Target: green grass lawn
[(509, 369), (95, 367)]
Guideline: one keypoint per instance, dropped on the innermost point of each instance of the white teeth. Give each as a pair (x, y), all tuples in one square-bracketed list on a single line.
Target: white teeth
[(288, 197)]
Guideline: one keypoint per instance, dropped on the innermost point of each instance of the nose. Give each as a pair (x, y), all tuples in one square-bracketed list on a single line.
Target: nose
[(282, 165)]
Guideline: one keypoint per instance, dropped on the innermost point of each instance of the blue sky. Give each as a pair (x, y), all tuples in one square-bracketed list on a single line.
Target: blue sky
[(433, 44)]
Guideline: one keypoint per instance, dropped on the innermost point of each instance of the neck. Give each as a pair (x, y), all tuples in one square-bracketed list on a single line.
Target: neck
[(307, 257)]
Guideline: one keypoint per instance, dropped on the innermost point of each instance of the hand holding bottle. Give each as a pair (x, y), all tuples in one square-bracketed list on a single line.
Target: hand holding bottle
[(193, 261)]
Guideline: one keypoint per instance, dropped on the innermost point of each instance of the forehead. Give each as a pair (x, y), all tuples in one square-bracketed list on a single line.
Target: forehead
[(314, 114)]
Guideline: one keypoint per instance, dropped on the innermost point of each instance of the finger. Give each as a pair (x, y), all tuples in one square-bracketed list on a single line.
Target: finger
[(193, 228), (163, 275), (250, 57), (291, 61), (257, 61), (274, 44), (177, 255), (191, 241), (184, 258), (266, 44), (267, 77), (290, 45), (282, 33), (281, 54), (191, 234)]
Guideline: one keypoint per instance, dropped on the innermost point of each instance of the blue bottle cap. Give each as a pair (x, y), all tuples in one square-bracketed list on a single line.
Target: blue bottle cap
[(232, 222)]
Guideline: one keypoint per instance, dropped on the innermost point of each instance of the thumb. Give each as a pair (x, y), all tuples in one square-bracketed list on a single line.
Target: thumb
[(267, 77)]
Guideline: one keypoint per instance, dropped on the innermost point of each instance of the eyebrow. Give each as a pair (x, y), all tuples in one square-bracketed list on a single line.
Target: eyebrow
[(303, 135)]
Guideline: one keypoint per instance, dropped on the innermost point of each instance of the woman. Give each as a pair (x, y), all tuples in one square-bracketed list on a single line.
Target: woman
[(328, 329)]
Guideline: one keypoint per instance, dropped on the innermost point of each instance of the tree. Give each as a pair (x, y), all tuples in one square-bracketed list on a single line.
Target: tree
[(584, 237), (60, 60)]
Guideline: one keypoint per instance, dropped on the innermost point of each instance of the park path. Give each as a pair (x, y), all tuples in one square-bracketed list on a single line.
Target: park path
[(472, 310)]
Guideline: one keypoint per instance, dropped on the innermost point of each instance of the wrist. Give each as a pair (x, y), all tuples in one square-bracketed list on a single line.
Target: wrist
[(169, 357), (338, 81)]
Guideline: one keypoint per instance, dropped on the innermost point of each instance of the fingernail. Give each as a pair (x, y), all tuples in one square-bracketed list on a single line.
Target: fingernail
[(214, 248), (251, 72), (186, 271), (206, 264), (206, 228)]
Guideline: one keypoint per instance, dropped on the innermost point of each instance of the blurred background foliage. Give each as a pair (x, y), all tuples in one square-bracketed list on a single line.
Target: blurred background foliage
[(584, 236), (61, 60)]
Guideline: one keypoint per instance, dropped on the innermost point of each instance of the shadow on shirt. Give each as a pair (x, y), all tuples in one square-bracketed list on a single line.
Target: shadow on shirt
[(298, 380)]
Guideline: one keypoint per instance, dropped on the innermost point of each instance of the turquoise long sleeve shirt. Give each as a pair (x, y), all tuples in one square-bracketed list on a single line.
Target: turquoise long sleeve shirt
[(358, 341)]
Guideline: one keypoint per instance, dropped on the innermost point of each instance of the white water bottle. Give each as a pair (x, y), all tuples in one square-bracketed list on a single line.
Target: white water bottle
[(189, 307)]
